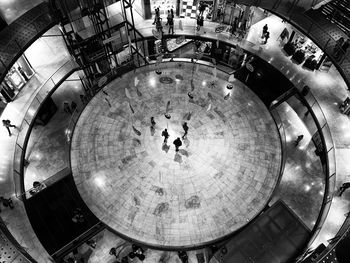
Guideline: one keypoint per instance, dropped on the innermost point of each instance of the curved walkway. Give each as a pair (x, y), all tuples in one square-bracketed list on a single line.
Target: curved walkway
[(329, 89)]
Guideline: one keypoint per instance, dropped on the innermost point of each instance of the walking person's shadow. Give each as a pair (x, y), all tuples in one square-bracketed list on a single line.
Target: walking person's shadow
[(165, 147), (178, 158)]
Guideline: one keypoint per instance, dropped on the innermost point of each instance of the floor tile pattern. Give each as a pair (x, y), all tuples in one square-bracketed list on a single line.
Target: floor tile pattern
[(220, 179)]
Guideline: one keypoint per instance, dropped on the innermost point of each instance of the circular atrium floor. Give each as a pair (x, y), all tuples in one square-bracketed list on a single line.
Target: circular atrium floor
[(221, 178)]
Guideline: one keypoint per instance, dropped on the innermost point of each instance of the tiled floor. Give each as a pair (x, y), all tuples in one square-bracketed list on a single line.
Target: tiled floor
[(329, 89), (220, 179)]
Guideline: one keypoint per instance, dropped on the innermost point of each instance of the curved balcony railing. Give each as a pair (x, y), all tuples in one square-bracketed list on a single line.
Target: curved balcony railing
[(28, 121), (46, 89)]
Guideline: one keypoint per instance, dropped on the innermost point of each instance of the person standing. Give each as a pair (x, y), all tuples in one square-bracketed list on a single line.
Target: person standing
[(8, 125), (185, 127), (177, 144), (165, 134)]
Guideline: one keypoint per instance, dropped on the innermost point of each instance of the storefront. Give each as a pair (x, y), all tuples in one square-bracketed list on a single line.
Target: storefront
[(164, 6), (301, 49), (19, 74)]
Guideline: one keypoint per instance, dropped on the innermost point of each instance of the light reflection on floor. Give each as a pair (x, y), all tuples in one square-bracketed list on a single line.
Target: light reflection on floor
[(329, 89)]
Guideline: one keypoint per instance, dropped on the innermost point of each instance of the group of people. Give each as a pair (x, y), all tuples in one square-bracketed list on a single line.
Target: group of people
[(69, 108), (137, 252), (341, 48), (6, 202), (158, 21), (177, 141)]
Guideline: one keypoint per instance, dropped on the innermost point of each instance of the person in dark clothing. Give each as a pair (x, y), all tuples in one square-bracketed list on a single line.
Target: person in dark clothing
[(198, 23), (159, 26), (298, 140), (23, 73), (7, 124), (234, 26), (156, 15), (183, 256), (166, 135), (202, 7), (6, 202), (265, 29), (201, 21), (267, 36), (138, 252), (343, 188), (185, 127), (153, 123), (177, 144), (171, 24)]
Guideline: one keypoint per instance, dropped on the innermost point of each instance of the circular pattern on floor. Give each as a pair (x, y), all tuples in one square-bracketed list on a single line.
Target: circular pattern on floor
[(221, 178)]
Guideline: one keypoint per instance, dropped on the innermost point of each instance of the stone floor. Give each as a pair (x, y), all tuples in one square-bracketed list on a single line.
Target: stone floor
[(221, 178), (328, 88)]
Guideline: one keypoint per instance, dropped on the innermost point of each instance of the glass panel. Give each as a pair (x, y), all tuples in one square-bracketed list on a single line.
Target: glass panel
[(17, 158), (59, 74), (327, 137), (22, 133), (331, 162), (45, 89), (319, 114), (33, 108)]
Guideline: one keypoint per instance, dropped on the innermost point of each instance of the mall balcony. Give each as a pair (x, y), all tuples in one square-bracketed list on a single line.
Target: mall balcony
[(258, 96)]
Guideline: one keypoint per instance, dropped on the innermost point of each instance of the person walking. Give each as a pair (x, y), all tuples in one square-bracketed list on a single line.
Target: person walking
[(343, 188), (185, 127), (171, 24), (156, 10), (265, 30), (7, 124), (267, 36), (177, 144), (165, 134), (202, 7), (159, 26), (298, 140)]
